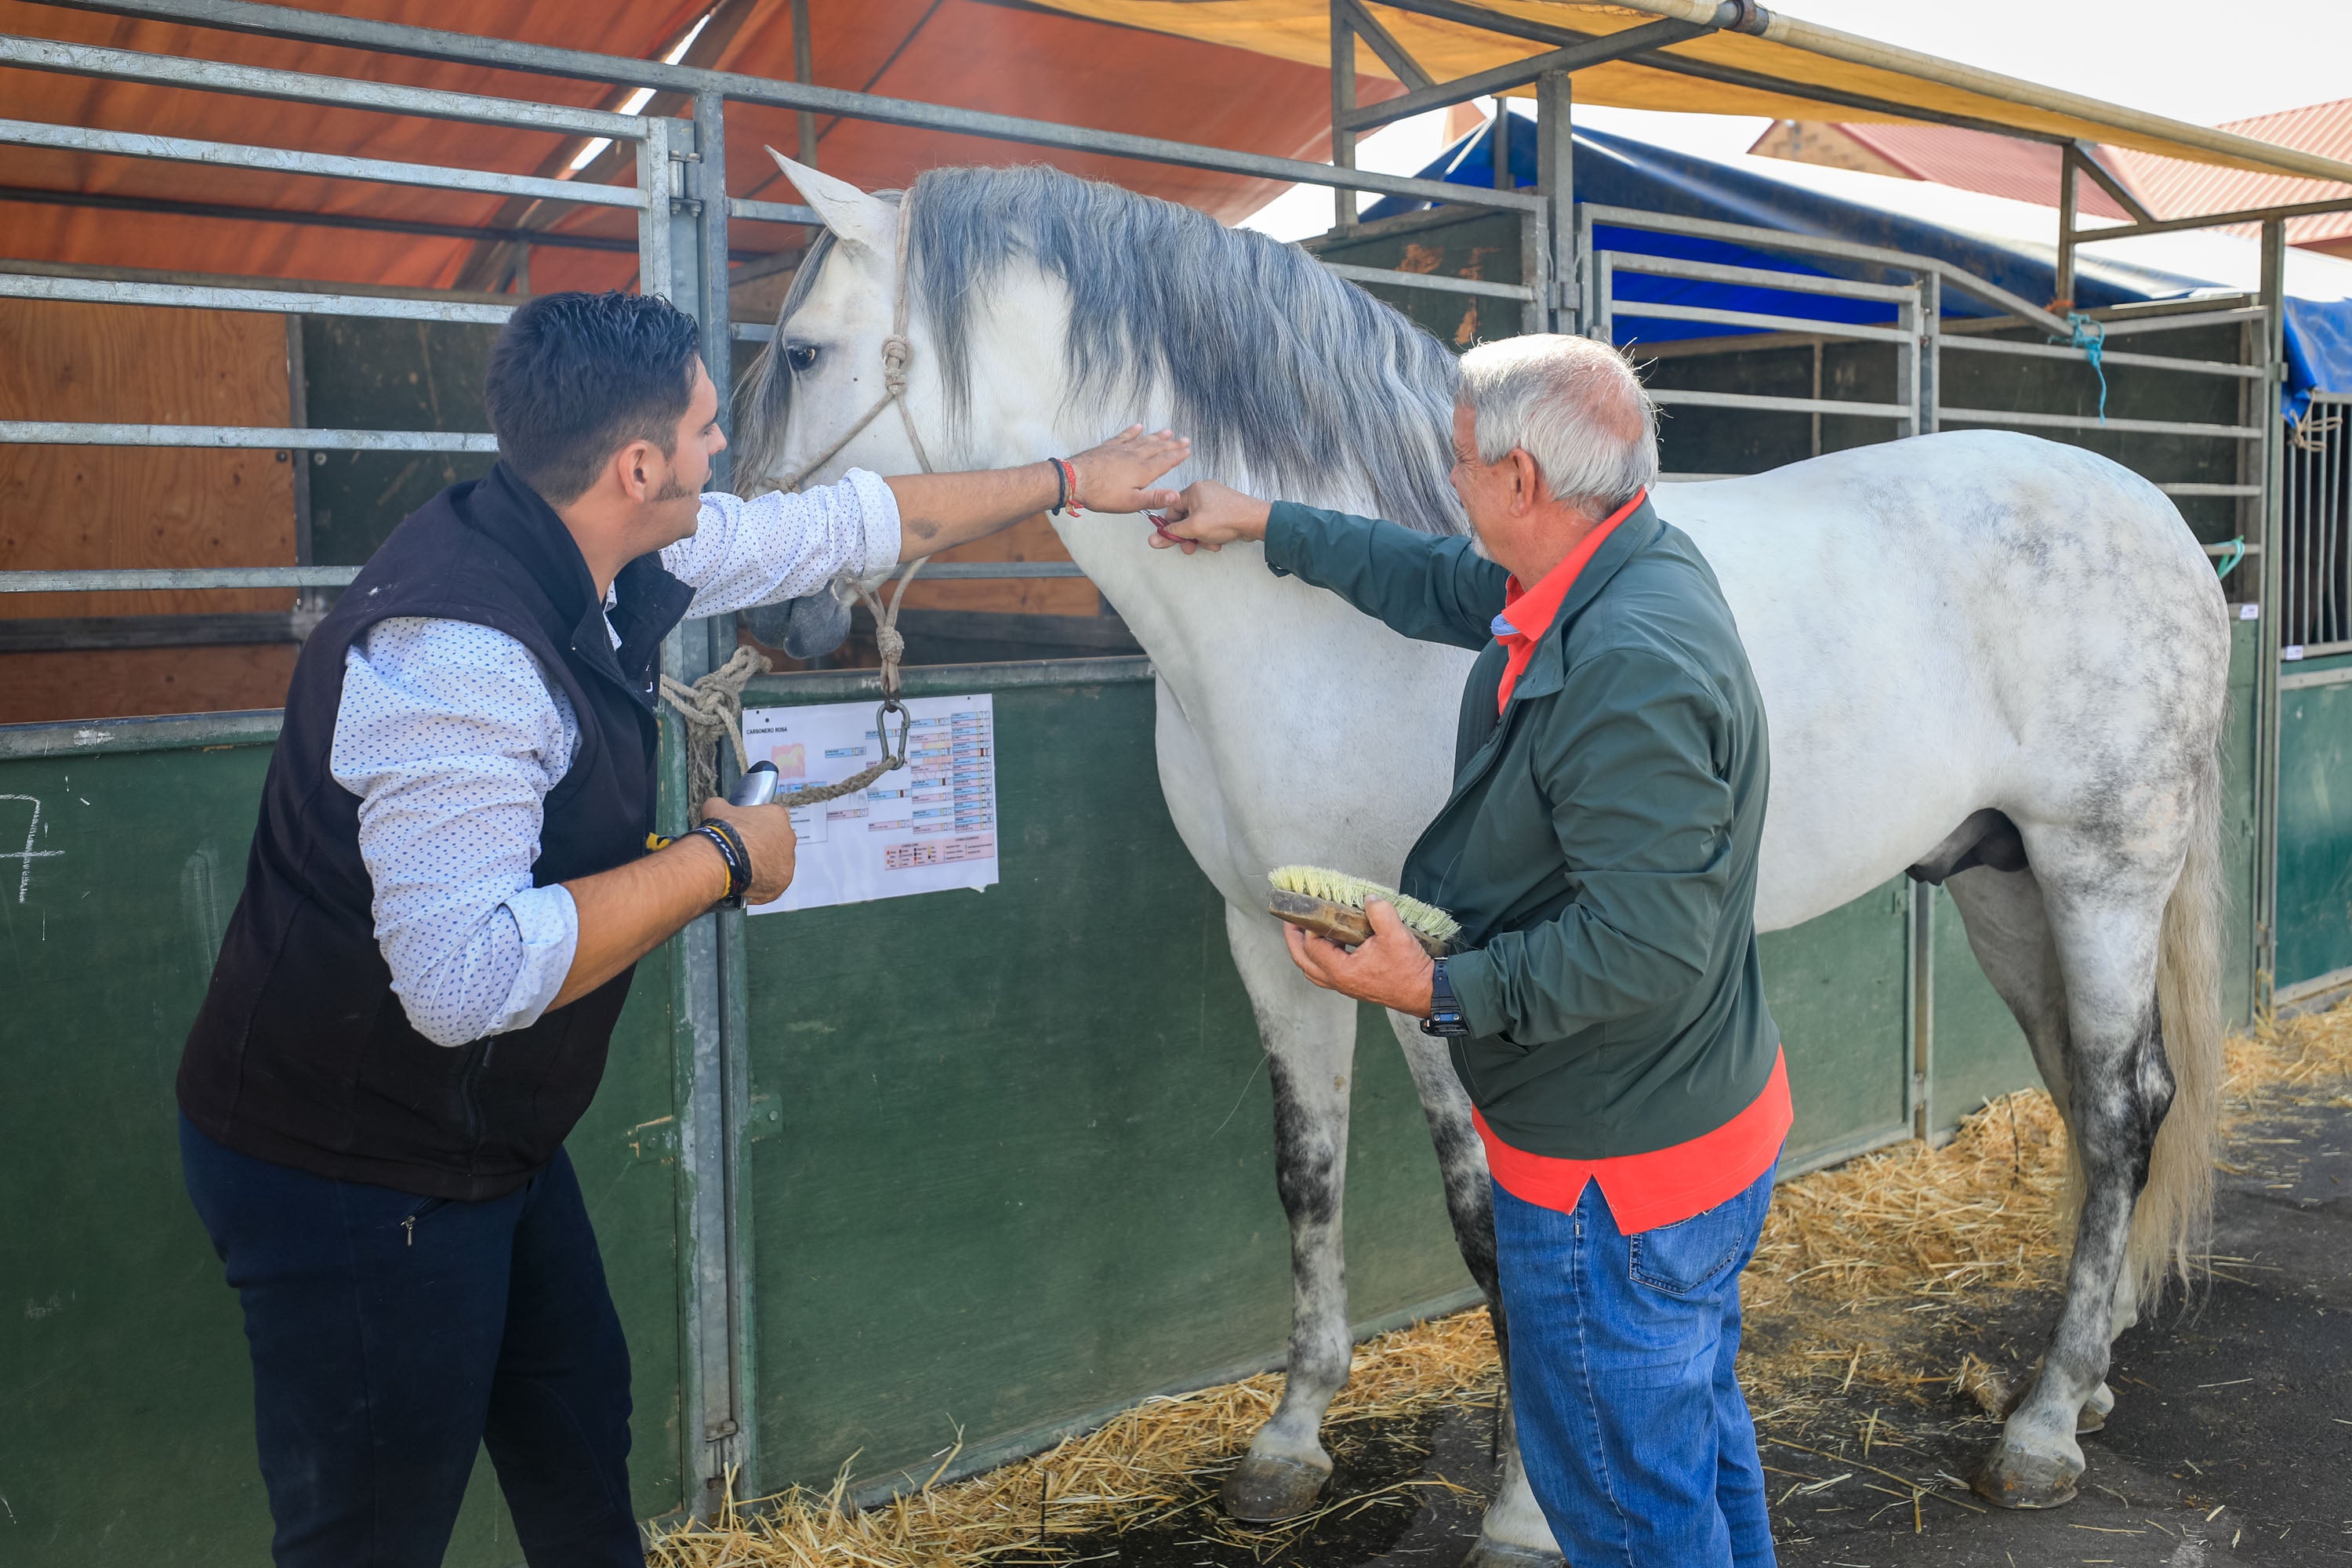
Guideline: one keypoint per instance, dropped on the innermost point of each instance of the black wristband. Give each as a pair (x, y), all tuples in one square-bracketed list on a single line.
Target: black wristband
[(738, 858), (1061, 486), (1445, 1010)]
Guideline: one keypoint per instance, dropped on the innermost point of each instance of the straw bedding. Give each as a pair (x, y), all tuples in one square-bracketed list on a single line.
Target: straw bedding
[(1856, 1268)]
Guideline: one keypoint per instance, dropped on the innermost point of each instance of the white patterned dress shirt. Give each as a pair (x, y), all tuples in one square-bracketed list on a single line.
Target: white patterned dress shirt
[(452, 735)]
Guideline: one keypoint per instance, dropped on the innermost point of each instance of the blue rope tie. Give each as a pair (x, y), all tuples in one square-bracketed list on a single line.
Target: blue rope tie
[(2091, 337), (2229, 563)]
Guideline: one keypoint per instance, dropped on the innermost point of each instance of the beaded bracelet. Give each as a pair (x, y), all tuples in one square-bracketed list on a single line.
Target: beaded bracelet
[(733, 851)]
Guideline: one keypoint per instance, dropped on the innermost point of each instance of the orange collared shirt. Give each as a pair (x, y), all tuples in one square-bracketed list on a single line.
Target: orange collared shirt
[(1666, 1185), (1528, 613)]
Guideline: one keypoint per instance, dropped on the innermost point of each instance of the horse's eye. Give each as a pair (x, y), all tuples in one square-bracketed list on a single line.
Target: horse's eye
[(800, 356)]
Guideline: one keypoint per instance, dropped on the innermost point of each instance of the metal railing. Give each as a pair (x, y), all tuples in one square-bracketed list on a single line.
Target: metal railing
[(2316, 546)]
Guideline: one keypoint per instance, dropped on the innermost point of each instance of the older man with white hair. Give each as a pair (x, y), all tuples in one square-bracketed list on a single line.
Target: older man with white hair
[(1605, 1008)]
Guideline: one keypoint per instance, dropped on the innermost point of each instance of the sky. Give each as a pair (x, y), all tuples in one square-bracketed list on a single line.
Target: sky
[(2231, 58)]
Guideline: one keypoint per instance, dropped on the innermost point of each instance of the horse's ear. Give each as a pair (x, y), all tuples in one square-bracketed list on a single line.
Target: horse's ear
[(854, 218)]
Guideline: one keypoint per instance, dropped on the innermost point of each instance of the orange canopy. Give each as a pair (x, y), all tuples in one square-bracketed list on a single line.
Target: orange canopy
[(1004, 57)]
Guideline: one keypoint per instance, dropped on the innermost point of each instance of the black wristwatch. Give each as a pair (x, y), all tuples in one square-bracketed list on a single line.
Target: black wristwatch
[(1445, 1009)]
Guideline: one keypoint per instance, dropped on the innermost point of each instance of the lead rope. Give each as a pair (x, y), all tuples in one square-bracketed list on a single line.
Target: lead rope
[(712, 706)]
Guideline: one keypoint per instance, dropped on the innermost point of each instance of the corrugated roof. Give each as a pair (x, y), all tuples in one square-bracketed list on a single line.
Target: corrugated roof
[(2173, 188), (1980, 161), (1008, 59)]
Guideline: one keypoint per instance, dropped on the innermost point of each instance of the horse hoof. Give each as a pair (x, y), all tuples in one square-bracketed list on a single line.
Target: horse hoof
[(2095, 1410), (1268, 1491), (2012, 1477), (1500, 1554)]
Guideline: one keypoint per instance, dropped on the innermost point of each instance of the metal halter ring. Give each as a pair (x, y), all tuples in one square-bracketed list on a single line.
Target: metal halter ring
[(896, 759)]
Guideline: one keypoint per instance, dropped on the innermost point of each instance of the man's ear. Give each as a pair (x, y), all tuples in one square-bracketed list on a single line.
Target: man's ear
[(854, 218), (629, 467), (1526, 479)]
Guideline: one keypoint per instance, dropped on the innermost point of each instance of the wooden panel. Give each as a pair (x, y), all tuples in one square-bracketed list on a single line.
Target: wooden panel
[(93, 507), (118, 682), (1031, 539)]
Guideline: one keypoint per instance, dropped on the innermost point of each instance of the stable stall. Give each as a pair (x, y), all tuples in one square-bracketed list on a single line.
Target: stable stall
[(1063, 1206)]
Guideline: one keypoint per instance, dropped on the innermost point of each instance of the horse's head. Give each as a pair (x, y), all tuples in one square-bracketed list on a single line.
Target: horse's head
[(825, 366)]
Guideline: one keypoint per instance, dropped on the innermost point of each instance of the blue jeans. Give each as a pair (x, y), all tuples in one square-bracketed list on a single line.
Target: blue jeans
[(1636, 1439), (393, 1337)]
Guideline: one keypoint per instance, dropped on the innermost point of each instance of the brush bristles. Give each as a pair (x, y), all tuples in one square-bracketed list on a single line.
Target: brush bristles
[(1352, 892)]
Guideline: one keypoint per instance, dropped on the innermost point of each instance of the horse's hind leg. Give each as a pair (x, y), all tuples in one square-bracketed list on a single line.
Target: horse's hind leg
[(2104, 920), (1513, 1533), (1310, 1044), (2008, 932)]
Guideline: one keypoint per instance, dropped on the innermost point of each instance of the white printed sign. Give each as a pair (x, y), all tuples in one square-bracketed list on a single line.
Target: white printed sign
[(921, 828)]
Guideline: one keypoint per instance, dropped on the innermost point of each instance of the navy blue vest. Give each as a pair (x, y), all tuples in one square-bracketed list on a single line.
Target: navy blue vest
[(301, 1054)]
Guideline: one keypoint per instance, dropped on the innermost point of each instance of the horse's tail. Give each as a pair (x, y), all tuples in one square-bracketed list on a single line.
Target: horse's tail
[(2176, 1209)]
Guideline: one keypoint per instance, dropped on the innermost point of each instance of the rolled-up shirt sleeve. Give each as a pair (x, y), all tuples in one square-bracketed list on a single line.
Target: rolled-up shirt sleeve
[(783, 546), (451, 736)]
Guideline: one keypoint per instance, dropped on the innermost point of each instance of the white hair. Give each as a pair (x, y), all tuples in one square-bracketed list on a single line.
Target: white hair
[(1575, 406)]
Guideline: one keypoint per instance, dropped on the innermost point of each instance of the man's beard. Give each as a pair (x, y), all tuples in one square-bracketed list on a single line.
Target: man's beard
[(1478, 546), (674, 490)]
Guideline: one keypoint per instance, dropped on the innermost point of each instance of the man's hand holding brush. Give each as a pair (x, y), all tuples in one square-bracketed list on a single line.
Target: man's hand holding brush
[(1392, 969)]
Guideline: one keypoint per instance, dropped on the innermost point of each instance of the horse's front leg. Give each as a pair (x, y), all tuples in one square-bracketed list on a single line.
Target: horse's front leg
[(1310, 1044), (1513, 1533)]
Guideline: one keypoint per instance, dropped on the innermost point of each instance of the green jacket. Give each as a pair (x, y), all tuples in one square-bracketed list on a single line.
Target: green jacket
[(1600, 845)]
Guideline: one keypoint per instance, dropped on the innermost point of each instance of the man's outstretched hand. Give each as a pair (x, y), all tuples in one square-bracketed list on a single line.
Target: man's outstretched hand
[(1116, 475), (1391, 969), (1209, 515)]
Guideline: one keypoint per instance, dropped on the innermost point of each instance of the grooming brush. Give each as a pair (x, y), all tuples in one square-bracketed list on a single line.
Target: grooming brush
[(1330, 904)]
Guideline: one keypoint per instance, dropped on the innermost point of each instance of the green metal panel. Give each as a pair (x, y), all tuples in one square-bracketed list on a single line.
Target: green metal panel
[(1835, 987), (1021, 1169), (126, 1432), (2315, 817)]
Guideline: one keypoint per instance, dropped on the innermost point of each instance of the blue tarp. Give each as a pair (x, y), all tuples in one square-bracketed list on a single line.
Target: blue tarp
[(1616, 171)]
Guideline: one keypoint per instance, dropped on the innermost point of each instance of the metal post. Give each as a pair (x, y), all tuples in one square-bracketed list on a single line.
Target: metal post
[(1498, 147), (1592, 319), (1919, 970), (655, 265), (1343, 101), (804, 73), (1556, 179), (2070, 172), (709, 230), (308, 604), (1931, 352), (2266, 665)]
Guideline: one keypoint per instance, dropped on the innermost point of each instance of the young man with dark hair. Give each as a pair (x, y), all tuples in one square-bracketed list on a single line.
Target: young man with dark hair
[(448, 886)]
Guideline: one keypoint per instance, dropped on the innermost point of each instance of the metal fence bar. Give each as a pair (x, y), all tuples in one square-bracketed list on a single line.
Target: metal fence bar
[(1661, 311), (67, 433), (1664, 395), (285, 161), (393, 37), (2111, 356), (2091, 422), (1760, 277), (2129, 326), (1391, 278), (144, 579), (2200, 489), (297, 86), (1809, 245), (772, 212), (277, 301)]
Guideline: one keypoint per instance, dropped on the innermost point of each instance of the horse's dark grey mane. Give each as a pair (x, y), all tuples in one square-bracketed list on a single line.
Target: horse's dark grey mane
[(1276, 368)]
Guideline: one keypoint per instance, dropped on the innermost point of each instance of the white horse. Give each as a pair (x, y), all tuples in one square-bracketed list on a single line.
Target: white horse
[(1983, 656)]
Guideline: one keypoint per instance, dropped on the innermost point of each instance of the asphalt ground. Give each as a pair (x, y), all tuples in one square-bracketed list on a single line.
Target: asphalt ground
[(2230, 1441)]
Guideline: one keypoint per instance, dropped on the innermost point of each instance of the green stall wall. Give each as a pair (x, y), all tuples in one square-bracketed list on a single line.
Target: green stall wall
[(1012, 1170), (126, 1401), (2315, 814)]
